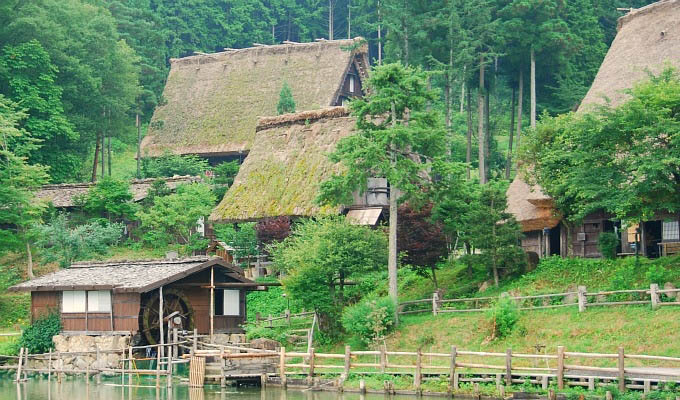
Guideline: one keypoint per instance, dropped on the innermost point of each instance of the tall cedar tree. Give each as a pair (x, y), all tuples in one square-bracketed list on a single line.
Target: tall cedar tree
[(398, 137)]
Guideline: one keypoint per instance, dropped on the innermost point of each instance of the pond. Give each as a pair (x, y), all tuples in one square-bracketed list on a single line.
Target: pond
[(37, 388)]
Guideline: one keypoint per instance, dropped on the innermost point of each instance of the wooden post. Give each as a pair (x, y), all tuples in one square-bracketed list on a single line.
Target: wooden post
[(383, 358), (195, 342), (654, 294), (348, 361), (287, 316), (130, 366), (453, 384), (311, 362), (161, 322), (282, 366), (560, 367), (362, 386), (508, 367), (647, 385), (158, 367), (58, 373), (49, 366), (25, 364), (212, 304), (419, 370), (21, 359), (223, 381), (87, 375), (170, 355), (269, 319), (591, 383), (544, 382), (86, 304), (622, 372), (435, 299), (582, 300), (122, 370), (174, 341), (551, 395), (608, 395), (99, 372)]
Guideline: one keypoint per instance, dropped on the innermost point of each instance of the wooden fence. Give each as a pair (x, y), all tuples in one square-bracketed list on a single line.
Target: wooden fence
[(580, 298), (287, 318), (561, 368)]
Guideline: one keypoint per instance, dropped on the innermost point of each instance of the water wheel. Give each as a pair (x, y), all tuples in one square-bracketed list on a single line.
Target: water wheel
[(173, 300)]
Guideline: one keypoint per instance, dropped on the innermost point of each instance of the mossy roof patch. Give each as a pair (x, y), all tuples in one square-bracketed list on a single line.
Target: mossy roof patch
[(285, 167), (212, 102)]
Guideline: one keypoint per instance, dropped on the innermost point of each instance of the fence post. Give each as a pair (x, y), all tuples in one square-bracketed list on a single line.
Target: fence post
[(287, 316), (622, 371), (99, 372), (282, 366), (311, 363), (560, 367), (223, 364), (508, 367), (419, 371), (21, 359), (582, 300), (435, 306), (170, 355), (348, 360), (654, 293), (383, 358), (195, 342), (130, 365), (269, 320), (453, 384), (158, 367)]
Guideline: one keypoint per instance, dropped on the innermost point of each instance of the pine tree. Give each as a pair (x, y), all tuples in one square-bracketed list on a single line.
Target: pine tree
[(286, 102)]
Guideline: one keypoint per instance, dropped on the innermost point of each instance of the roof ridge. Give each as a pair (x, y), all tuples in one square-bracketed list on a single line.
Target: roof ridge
[(642, 11), (185, 260), (132, 182), (302, 116)]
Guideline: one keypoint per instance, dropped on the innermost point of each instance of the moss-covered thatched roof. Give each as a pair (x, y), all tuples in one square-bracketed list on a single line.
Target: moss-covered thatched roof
[(647, 39), (530, 206), (285, 167), (212, 102)]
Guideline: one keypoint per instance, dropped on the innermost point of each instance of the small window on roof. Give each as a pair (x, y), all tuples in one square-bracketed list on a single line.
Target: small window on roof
[(351, 83)]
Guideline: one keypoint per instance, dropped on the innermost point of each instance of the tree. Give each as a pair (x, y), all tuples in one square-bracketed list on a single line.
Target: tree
[(623, 160), (241, 237), (397, 138), (18, 182), (224, 174), (286, 103), (65, 244), (169, 165), (173, 218), (319, 256), (109, 198)]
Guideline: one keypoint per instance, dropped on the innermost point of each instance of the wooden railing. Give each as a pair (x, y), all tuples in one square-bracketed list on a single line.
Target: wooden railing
[(580, 298), (505, 368), (286, 317)]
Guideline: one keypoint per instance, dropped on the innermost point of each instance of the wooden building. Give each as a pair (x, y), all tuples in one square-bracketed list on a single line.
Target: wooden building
[(214, 100), (125, 297)]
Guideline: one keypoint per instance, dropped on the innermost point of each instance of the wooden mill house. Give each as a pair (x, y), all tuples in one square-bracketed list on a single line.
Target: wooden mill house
[(132, 297)]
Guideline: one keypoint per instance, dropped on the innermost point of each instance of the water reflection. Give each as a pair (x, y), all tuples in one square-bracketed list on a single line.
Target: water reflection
[(72, 388)]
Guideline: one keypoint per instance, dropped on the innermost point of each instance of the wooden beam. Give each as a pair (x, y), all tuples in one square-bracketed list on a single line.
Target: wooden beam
[(212, 304), (161, 348)]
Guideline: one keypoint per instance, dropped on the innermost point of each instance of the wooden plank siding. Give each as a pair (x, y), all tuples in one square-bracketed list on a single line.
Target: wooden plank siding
[(125, 311), (42, 303)]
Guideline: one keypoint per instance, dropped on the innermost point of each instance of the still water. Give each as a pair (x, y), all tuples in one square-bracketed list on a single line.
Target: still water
[(76, 389)]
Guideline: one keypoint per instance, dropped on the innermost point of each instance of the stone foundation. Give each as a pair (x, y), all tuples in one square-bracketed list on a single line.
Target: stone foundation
[(84, 343)]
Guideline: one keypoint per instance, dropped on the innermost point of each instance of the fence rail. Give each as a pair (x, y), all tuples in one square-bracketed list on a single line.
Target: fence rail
[(562, 368), (580, 298)]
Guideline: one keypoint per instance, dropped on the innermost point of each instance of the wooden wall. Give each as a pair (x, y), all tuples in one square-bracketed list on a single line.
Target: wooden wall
[(42, 303), (532, 242), (125, 311)]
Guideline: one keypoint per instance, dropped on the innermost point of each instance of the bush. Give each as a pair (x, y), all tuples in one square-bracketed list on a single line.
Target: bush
[(110, 198), (369, 320), (37, 338), (607, 243), (504, 316), (172, 164), (657, 274)]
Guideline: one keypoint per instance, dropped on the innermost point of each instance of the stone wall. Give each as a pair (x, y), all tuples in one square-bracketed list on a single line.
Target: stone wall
[(84, 343)]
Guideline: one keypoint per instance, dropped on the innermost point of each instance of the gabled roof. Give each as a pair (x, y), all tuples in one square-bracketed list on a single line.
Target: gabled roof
[(126, 276), (530, 206), (283, 171), (213, 101), (647, 39), (63, 195)]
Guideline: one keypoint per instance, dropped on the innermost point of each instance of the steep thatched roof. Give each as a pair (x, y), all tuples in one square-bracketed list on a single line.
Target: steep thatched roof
[(214, 101), (122, 276), (647, 38), (283, 171), (63, 195), (531, 208)]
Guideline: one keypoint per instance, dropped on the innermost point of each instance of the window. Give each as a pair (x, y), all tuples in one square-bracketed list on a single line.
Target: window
[(671, 231), (227, 302), (351, 84), (73, 301)]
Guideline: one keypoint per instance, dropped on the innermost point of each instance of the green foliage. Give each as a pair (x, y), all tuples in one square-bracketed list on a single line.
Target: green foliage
[(271, 301), (169, 165), (242, 237), (60, 242), (173, 218), (15, 309), (286, 102), (224, 177), (109, 198), (657, 274), (319, 255), (607, 243), (503, 317), (278, 333), (37, 338), (369, 320)]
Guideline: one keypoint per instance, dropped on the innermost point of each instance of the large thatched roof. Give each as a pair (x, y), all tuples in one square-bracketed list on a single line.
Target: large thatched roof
[(288, 161), (63, 195), (647, 38), (530, 206), (125, 276), (213, 101)]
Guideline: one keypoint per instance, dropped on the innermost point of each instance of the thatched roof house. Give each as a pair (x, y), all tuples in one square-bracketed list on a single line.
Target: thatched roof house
[(63, 195), (531, 207), (647, 38), (213, 101), (285, 167)]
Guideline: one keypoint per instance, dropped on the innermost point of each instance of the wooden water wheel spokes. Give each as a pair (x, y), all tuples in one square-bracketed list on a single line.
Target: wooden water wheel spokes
[(173, 301)]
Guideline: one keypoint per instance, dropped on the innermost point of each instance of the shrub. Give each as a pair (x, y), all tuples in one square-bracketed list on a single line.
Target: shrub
[(504, 316), (37, 338), (607, 243), (172, 164), (657, 274), (110, 198), (370, 319)]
